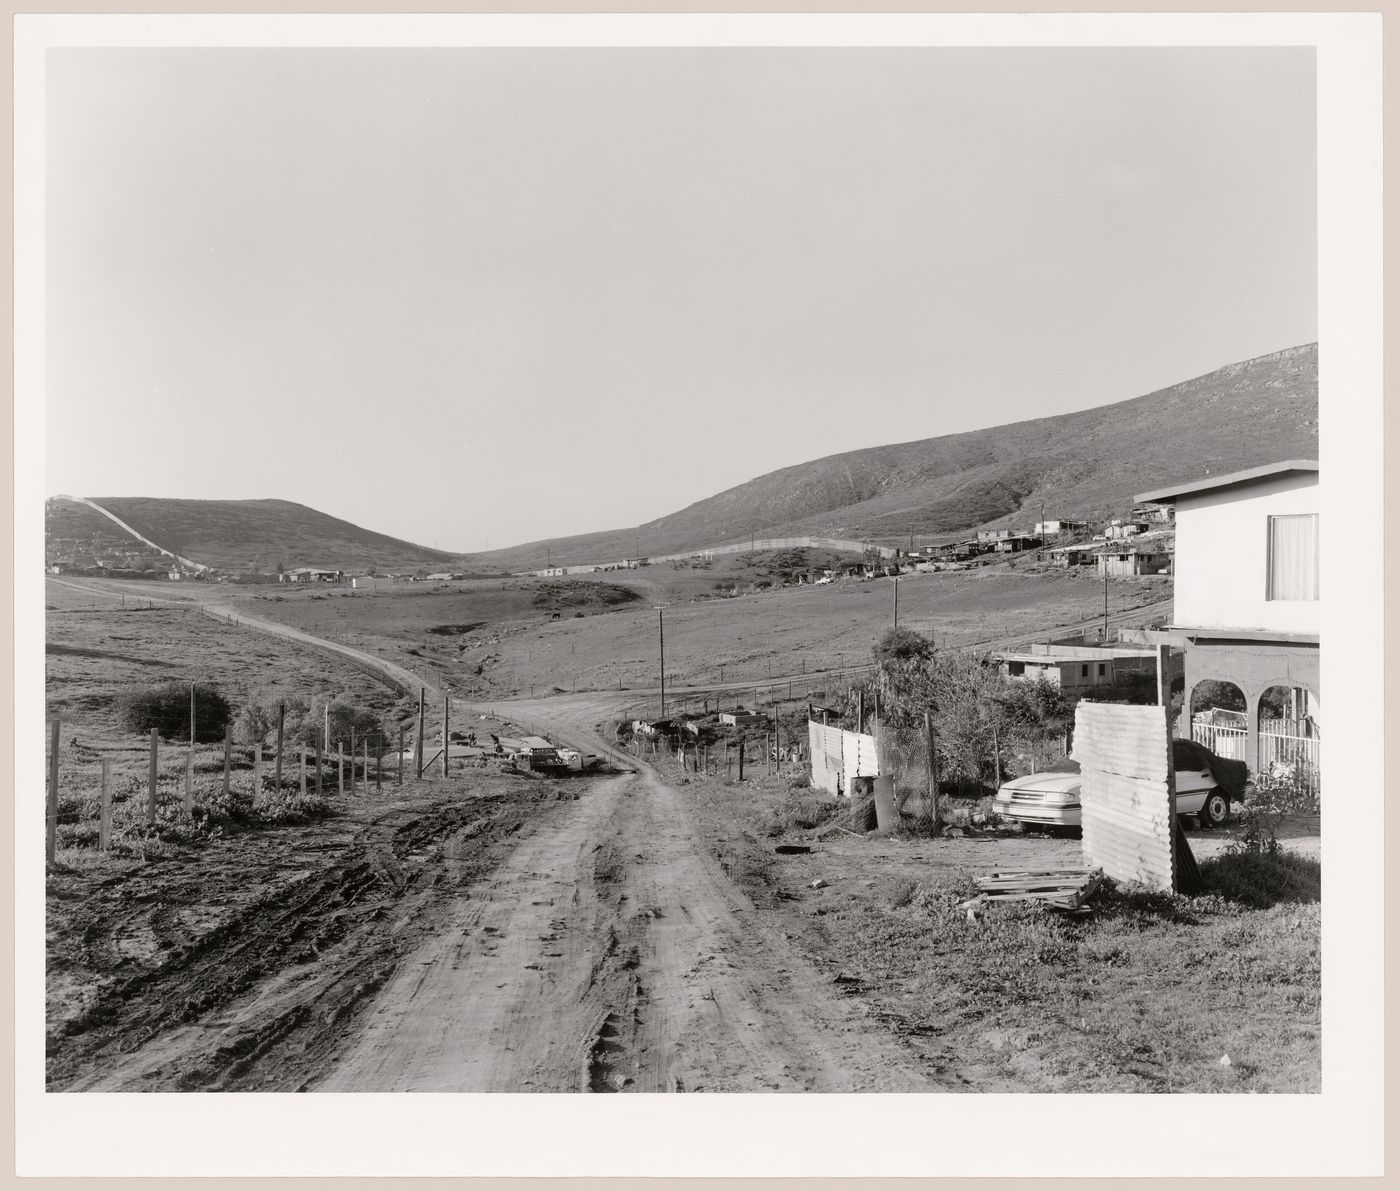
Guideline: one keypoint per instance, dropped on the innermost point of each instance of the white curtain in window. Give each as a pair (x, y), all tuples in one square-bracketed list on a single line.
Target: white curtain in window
[(1293, 571)]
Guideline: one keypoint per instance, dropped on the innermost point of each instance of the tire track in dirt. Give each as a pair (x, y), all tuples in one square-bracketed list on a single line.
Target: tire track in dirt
[(262, 1000), (609, 953)]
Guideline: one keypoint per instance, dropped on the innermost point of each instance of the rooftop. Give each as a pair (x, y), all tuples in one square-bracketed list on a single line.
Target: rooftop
[(1249, 475)]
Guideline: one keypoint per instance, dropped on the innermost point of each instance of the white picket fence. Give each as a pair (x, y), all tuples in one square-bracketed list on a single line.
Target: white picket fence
[(1224, 738), (1296, 744)]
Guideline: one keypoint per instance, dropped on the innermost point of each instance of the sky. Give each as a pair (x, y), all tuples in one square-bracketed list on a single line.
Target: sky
[(476, 297)]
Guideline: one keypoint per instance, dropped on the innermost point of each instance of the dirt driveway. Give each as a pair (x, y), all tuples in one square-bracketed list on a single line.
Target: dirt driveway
[(611, 953)]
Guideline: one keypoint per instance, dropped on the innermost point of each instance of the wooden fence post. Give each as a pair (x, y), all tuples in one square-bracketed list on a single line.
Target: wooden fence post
[(303, 771), (189, 784), (364, 768), (104, 813), (379, 763), (340, 766), (398, 774), (151, 796), (418, 740), (228, 746), (932, 772), (51, 818), (281, 721), (257, 771), (741, 758), (318, 765), (446, 735)]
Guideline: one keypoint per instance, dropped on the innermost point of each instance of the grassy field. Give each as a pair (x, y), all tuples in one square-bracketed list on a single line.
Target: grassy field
[(502, 628), (1144, 992)]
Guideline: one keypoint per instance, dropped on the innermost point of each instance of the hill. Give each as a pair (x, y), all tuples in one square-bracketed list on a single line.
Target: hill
[(1086, 464), (228, 535)]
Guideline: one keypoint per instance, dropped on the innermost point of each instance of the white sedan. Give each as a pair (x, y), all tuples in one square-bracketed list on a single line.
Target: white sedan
[(1051, 798)]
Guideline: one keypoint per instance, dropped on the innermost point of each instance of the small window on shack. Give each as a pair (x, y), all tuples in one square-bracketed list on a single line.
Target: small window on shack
[(1084, 670), (1103, 669), (1015, 669)]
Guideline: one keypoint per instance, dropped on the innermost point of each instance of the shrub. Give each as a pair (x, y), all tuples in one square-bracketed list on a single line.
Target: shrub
[(1290, 789), (166, 708), (1263, 877), (256, 722)]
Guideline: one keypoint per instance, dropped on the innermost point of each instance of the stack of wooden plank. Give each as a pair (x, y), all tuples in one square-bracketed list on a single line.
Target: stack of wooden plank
[(1063, 888)]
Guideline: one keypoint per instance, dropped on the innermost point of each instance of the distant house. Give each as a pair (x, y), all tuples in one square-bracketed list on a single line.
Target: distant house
[(1153, 514), (1015, 543), (742, 719), (1122, 564), (311, 575), (1072, 556), (1074, 669), (1056, 527), (987, 537), (1246, 603), (1117, 530), (443, 576)]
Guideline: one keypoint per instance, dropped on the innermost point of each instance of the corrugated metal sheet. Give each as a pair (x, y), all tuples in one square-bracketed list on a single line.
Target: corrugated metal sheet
[(839, 756), (1127, 792)]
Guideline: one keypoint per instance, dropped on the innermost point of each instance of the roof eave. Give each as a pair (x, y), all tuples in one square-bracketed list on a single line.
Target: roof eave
[(1170, 494)]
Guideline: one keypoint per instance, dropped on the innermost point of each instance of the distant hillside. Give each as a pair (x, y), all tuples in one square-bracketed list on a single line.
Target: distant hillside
[(1084, 465), (229, 535)]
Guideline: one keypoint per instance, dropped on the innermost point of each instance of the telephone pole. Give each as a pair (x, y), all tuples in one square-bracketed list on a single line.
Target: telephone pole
[(661, 633)]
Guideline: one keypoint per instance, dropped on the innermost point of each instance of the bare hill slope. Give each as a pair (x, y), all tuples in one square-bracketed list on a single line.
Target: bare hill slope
[(1083, 464), (231, 535)]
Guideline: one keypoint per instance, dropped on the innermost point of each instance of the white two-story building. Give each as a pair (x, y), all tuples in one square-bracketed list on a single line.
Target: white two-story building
[(1247, 597)]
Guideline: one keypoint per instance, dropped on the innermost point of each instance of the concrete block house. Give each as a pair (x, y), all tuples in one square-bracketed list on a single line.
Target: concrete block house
[(1247, 606)]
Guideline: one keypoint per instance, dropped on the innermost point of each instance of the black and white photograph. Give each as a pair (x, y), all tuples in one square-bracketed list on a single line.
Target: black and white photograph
[(781, 560)]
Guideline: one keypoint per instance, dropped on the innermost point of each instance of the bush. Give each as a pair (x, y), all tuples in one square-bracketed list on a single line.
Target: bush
[(1263, 877), (1286, 789), (166, 708), (256, 722)]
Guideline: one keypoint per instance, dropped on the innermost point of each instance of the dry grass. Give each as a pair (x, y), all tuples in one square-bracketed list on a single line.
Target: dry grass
[(1146, 992)]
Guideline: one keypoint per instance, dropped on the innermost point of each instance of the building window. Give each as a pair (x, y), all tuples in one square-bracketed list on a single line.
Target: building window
[(1102, 668), (1293, 569), (1084, 671), (1015, 669)]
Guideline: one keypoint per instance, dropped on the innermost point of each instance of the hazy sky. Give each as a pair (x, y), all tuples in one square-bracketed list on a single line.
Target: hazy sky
[(477, 297)]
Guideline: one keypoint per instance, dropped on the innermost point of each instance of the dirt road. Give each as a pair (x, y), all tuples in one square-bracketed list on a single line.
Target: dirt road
[(610, 953)]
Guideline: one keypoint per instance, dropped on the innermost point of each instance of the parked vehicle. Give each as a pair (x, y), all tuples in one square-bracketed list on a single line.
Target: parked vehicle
[(1051, 798)]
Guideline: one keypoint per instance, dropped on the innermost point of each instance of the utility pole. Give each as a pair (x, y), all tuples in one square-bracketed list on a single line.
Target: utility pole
[(896, 601), (1105, 598), (661, 630)]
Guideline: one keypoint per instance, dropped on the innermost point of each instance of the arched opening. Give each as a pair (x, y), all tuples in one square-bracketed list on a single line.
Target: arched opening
[(1290, 745), (1219, 718)]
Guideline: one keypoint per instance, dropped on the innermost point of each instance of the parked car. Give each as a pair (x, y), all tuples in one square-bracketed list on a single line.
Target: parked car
[(1051, 798)]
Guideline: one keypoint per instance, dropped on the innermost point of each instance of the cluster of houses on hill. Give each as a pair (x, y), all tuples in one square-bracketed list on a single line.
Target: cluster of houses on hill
[(1139, 544)]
